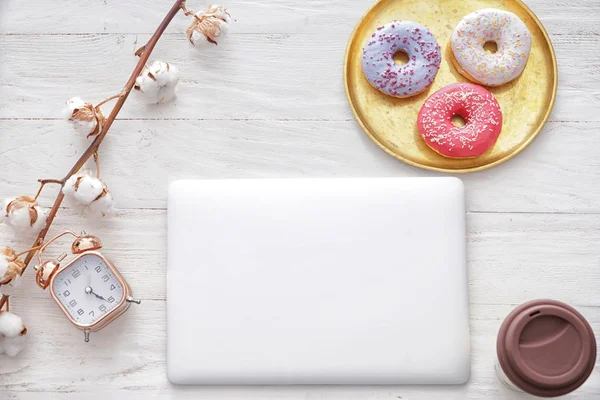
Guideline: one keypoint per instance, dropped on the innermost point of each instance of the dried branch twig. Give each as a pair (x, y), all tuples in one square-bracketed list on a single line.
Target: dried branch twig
[(144, 55)]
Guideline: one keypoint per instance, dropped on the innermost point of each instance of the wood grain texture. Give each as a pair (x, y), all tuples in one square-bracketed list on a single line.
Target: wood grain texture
[(136, 364), (557, 174), (504, 249), (270, 103), (292, 76), (562, 17), (510, 261)]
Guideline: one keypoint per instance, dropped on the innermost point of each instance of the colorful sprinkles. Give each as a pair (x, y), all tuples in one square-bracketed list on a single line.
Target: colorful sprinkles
[(512, 38), (409, 79), (479, 109)]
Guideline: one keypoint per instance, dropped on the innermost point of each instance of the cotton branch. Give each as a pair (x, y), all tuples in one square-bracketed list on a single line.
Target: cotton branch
[(144, 55), (43, 183)]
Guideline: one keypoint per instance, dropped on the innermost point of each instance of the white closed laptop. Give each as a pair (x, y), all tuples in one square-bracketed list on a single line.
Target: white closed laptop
[(317, 281)]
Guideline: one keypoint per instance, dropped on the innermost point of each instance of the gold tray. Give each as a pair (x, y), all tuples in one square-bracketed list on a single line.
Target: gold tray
[(390, 122)]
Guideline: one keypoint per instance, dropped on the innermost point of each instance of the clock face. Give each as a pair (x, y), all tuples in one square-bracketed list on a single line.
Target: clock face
[(88, 289)]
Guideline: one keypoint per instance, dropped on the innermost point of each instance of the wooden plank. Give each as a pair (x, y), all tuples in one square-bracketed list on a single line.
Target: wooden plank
[(128, 359), (256, 16), (289, 77), (557, 173), (512, 257)]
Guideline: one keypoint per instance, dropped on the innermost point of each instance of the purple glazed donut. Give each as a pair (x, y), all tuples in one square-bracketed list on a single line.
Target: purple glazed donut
[(406, 80)]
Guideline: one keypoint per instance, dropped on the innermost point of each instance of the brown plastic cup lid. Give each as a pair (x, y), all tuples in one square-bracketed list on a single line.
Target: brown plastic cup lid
[(546, 348)]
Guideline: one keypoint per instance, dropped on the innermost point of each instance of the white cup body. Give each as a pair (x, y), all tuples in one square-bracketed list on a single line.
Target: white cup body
[(503, 378)]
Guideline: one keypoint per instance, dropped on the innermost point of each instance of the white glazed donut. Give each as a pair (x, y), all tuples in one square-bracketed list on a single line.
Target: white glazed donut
[(512, 38)]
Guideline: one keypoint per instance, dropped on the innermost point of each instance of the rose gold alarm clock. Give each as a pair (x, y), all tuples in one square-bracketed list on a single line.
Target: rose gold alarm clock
[(89, 289)]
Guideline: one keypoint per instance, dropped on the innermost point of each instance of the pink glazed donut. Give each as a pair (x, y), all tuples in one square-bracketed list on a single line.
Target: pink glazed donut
[(476, 105)]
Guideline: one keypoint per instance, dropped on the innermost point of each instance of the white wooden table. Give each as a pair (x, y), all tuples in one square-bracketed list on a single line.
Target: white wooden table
[(271, 104)]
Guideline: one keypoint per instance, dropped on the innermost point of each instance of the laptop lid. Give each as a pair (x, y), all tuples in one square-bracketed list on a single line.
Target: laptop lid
[(317, 281)]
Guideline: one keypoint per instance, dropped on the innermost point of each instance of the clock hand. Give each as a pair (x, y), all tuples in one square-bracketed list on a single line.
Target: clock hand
[(89, 290), (98, 296)]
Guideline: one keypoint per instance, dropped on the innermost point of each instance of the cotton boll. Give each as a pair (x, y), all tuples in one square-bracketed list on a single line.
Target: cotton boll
[(72, 105), (90, 192), (218, 12), (12, 334), (11, 266), (101, 207), (86, 118), (157, 83), (24, 215), (200, 40), (11, 325), (209, 27), (12, 346), (83, 187), (4, 265)]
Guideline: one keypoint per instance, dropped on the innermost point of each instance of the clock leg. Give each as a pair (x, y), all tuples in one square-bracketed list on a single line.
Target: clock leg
[(130, 299)]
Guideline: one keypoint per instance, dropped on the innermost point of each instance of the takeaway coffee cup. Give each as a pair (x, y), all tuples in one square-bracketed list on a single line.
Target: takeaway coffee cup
[(545, 348)]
